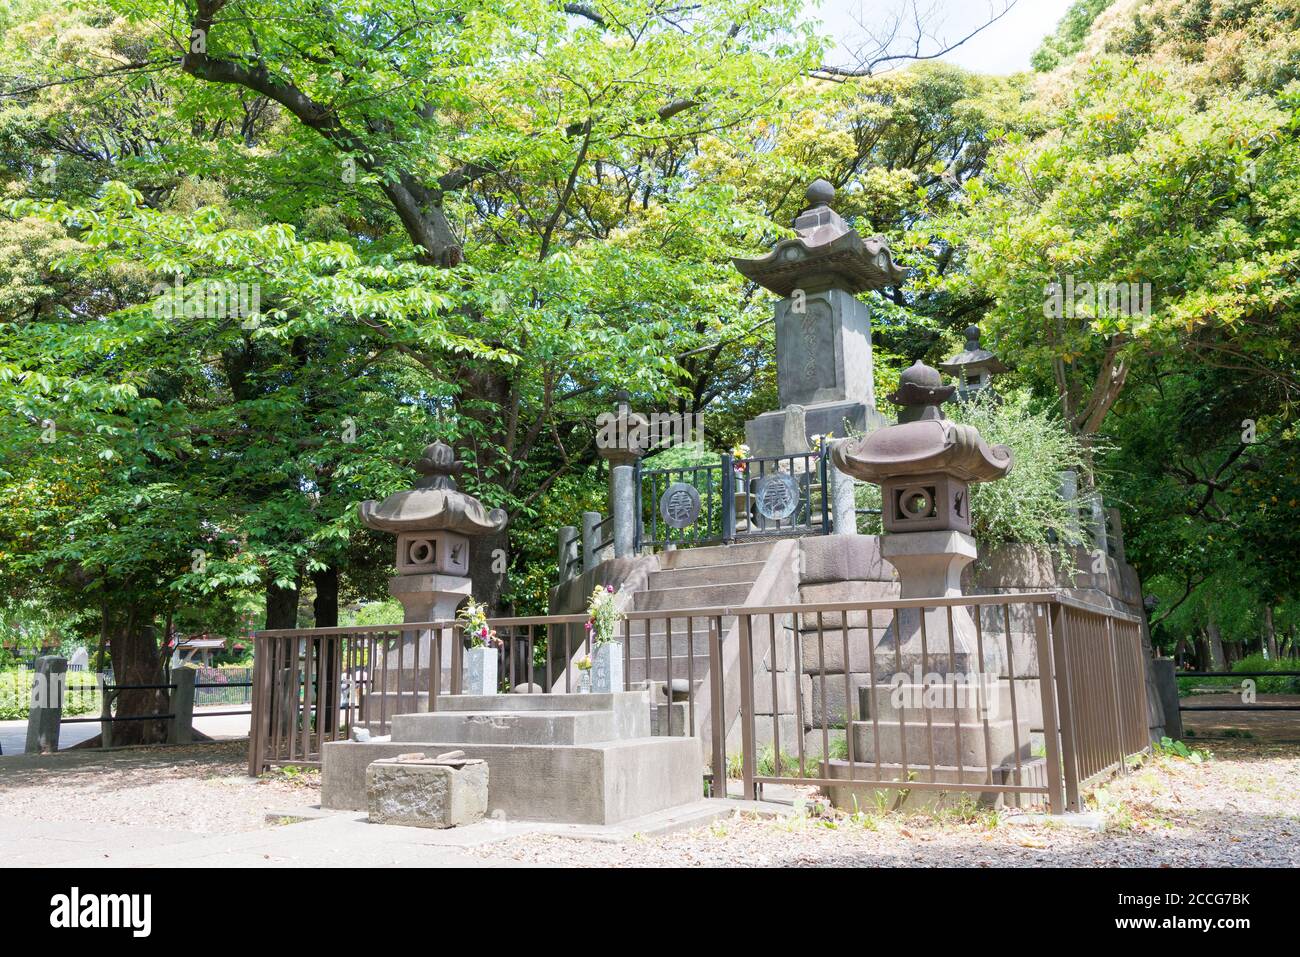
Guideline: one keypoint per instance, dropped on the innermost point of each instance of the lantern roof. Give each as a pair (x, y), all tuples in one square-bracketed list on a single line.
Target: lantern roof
[(435, 503), (824, 245)]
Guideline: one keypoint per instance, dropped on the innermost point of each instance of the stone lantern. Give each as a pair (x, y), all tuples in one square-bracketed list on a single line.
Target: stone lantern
[(974, 367), (823, 332), (434, 523), (925, 466)]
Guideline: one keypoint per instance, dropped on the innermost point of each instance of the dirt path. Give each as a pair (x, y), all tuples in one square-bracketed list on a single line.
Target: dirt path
[(1240, 808)]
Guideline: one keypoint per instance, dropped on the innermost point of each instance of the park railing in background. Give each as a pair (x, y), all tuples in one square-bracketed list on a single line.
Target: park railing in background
[(812, 694)]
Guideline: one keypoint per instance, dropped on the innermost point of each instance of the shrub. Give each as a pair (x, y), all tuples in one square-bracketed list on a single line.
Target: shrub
[(82, 694), (1025, 507), (1255, 662)]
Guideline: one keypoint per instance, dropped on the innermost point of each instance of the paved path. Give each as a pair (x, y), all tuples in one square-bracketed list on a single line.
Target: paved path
[(13, 734)]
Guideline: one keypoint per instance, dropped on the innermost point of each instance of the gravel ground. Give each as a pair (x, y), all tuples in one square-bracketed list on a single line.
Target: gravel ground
[(200, 789), (1239, 809)]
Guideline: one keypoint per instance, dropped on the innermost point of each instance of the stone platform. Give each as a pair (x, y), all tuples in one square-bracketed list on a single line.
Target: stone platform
[(577, 758)]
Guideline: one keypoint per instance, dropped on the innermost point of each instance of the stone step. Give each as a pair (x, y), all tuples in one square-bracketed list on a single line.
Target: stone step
[(862, 797), (658, 627), (917, 736), (659, 644), (691, 596), (538, 702), (716, 555), (603, 783), (659, 668), (747, 572), (518, 727)]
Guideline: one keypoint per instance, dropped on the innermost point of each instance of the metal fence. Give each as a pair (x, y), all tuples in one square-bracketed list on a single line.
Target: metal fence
[(1030, 697), (733, 500)]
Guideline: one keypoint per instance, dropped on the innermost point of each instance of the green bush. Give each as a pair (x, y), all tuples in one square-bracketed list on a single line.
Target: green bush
[(1025, 507), (1255, 662), (81, 695)]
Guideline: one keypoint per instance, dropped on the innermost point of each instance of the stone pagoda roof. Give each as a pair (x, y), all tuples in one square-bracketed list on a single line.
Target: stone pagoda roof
[(924, 442), (435, 504), (824, 245)]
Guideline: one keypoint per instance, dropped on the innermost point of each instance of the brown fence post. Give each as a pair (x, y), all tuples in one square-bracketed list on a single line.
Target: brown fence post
[(1065, 699), (1047, 681), (1112, 655), (747, 709), (257, 720), (718, 720)]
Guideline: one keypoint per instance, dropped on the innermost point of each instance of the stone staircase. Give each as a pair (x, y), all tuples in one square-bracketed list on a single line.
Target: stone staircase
[(571, 758), (708, 577), (691, 578)]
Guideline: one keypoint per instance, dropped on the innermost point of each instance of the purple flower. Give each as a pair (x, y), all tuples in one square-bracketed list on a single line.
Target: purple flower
[(609, 588)]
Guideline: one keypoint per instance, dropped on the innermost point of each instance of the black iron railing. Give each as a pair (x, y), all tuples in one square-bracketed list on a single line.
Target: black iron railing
[(733, 500)]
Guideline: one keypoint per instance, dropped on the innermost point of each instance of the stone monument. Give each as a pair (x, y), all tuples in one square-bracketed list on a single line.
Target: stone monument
[(823, 333), (433, 522), (622, 439)]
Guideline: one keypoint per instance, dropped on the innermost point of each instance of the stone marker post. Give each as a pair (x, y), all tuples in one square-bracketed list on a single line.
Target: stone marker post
[(622, 438), (46, 707), (181, 730)]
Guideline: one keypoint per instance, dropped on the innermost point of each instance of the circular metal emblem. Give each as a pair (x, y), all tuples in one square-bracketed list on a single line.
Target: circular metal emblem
[(680, 505), (777, 496)]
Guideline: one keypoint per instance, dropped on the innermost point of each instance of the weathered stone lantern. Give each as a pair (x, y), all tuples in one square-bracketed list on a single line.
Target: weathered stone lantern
[(823, 332), (925, 466), (974, 367), (434, 523)]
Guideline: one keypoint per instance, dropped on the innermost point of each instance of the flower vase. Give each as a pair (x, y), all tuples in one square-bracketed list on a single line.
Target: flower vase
[(481, 670), (607, 667)]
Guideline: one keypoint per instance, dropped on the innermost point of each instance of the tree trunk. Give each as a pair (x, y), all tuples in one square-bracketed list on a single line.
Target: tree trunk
[(1215, 639), (281, 606), (325, 606), (1270, 633), (134, 653)]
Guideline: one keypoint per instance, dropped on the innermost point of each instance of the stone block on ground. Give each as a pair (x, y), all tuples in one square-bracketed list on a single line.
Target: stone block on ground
[(427, 792), (842, 558)]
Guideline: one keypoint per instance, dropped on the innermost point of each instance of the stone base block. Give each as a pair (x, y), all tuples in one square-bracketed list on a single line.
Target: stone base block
[(940, 743), (425, 794), (831, 708), (870, 797), (586, 784), (845, 591), (829, 652), (628, 717)]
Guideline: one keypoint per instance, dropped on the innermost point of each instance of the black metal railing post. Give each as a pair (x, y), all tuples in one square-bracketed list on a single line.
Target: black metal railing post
[(728, 498)]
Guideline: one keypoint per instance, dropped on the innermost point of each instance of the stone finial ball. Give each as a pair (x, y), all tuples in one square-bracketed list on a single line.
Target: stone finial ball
[(973, 333), (920, 374), (438, 458), (820, 193)]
